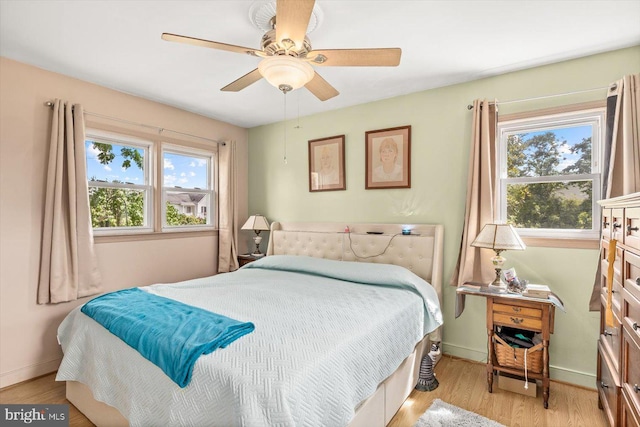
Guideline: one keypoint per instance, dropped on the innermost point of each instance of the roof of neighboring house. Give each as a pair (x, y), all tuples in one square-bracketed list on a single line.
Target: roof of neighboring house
[(182, 198)]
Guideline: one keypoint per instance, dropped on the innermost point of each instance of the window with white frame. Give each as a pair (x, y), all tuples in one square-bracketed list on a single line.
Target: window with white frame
[(119, 180), (549, 174), (187, 188)]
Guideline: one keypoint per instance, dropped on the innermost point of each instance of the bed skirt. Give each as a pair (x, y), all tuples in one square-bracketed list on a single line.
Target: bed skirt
[(375, 411)]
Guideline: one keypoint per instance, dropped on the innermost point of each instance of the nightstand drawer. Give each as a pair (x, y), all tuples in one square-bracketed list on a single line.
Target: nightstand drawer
[(516, 309), (518, 321)]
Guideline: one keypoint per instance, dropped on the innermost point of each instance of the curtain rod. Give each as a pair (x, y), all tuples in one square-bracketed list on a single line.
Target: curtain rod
[(513, 101), (159, 129)]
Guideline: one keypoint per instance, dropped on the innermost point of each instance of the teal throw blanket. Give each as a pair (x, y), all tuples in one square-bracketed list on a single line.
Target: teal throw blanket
[(166, 332)]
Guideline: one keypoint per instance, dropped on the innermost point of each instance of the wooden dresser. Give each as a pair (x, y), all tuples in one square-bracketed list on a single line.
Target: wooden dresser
[(619, 345)]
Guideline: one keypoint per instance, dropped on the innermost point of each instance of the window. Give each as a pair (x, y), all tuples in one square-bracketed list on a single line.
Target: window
[(187, 188), (119, 177), (129, 193), (549, 174)]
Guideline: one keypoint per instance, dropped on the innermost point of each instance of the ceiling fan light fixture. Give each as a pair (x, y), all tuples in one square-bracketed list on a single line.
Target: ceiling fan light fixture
[(286, 71)]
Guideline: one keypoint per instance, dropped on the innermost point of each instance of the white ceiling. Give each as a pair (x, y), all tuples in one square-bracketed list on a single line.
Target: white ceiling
[(117, 44)]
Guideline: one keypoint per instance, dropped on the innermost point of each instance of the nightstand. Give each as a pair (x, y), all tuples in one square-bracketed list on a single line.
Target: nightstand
[(517, 311), (246, 259)]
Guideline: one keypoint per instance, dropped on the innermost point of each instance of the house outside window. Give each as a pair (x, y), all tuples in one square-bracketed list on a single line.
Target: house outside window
[(549, 174), (119, 179), (187, 189)]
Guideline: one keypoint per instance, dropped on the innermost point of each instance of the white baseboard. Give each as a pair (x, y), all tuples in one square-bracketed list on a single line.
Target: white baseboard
[(28, 372), (582, 379)]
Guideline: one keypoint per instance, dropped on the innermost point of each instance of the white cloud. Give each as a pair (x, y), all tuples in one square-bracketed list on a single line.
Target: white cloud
[(198, 162), (107, 168), (183, 180), (183, 174), (92, 152), (192, 173), (192, 164), (169, 180), (564, 148), (168, 164)]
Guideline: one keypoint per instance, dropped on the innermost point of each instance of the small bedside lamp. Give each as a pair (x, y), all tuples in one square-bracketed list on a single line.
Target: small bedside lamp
[(499, 237), (256, 223)]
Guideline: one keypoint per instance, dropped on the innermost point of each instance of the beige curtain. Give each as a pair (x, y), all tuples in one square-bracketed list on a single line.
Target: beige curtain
[(621, 169), (68, 266), (473, 263), (227, 209)]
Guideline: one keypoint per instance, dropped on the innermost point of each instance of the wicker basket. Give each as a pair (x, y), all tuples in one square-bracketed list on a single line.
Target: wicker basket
[(510, 357)]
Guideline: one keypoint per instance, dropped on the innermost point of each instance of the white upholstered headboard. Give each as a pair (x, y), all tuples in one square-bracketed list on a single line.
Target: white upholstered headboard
[(420, 252)]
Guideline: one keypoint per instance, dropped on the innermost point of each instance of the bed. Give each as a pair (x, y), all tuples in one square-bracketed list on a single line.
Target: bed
[(350, 356)]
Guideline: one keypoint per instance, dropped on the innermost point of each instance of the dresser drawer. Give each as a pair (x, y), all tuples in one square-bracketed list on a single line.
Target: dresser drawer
[(517, 321), (632, 227), (631, 273), (606, 224), (516, 309), (631, 367), (617, 224), (616, 296), (628, 413), (611, 339), (631, 315), (609, 390)]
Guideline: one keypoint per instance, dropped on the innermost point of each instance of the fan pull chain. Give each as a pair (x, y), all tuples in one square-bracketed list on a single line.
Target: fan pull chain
[(284, 125)]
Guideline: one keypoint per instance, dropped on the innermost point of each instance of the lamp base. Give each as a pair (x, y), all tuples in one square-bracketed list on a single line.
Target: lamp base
[(498, 283)]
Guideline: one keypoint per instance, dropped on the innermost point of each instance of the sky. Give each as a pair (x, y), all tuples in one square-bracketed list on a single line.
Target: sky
[(179, 170)]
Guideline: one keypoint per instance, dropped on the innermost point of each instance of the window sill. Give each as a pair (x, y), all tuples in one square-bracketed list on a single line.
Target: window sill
[(138, 237), (567, 243)]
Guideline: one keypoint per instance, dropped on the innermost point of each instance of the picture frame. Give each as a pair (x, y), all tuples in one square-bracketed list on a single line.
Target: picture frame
[(326, 164), (388, 158)]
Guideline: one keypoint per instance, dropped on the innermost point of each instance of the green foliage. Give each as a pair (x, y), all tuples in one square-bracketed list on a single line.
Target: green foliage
[(116, 207), (554, 205), (176, 218), (106, 155)]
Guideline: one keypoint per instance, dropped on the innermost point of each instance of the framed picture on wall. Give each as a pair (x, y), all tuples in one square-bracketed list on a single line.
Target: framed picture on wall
[(326, 164), (388, 158)]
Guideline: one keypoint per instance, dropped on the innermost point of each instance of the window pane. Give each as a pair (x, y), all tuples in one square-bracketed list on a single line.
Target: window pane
[(186, 208), (555, 205), (546, 152), (116, 207), (114, 163), (185, 171)]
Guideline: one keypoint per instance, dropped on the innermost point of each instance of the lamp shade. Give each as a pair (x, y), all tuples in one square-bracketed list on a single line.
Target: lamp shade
[(256, 222), (499, 237), (286, 70)]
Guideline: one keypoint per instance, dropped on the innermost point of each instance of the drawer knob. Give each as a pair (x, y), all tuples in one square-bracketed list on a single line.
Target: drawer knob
[(616, 225), (636, 388), (638, 281), (607, 333), (630, 229), (516, 320), (518, 309), (604, 224), (603, 385), (635, 326)]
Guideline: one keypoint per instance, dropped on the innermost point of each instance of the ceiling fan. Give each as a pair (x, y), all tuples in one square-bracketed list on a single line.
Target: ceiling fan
[(288, 56)]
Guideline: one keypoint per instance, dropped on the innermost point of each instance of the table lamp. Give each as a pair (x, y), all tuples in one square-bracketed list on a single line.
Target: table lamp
[(257, 223), (499, 237)]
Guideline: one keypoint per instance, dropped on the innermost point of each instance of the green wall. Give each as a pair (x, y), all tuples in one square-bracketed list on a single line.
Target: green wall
[(441, 129)]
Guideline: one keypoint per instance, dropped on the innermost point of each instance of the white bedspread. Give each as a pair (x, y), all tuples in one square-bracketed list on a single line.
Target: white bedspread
[(320, 346)]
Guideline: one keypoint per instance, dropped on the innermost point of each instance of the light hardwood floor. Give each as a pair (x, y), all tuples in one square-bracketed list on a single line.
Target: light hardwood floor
[(462, 383)]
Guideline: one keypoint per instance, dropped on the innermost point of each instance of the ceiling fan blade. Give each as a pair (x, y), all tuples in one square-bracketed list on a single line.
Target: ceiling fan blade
[(242, 82), (292, 19), (320, 88), (208, 43), (384, 57)]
